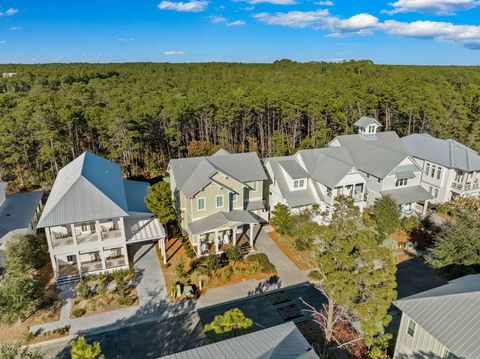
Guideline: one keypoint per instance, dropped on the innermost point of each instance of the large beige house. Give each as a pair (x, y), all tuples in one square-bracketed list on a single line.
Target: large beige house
[(91, 217), (218, 197)]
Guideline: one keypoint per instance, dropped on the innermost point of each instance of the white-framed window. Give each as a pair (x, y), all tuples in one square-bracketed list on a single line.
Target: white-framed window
[(434, 168), (299, 183), (439, 172), (427, 168), (446, 354), (219, 201), (84, 227), (435, 193), (234, 197), (70, 258), (401, 182), (411, 327), (253, 186), (201, 204)]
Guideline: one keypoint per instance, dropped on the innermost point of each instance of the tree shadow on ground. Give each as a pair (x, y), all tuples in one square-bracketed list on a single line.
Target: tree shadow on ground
[(267, 285)]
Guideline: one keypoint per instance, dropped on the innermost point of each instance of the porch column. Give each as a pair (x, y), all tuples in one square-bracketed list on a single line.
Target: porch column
[(199, 245), (49, 239), (425, 206), (234, 230), (161, 242), (102, 258), (98, 229), (74, 234), (251, 235), (79, 266), (216, 242), (53, 259)]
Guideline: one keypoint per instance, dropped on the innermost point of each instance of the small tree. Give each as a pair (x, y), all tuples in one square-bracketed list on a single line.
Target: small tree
[(84, 290), (231, 324), (387, 216), (456, 249), (234, 253), (282, 219), (25, 252), (201, 148), (82, 350), (214, 262), (159, 201), (17, 351)]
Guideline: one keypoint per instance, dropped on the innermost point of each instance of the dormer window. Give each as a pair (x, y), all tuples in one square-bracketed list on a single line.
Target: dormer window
[(253, 186), (299, 183)]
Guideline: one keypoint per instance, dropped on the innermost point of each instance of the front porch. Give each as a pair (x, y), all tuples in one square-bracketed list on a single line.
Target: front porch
[(408, 199), (208, 245)]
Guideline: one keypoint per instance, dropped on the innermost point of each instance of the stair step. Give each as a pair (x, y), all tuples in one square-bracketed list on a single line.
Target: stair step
[(70, 279)]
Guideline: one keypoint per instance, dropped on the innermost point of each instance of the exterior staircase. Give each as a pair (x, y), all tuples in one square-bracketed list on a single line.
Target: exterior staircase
[(67, 280)]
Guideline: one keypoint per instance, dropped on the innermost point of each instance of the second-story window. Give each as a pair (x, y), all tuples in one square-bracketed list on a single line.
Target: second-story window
[(401, 182), (201, 204), (439, 172), (298, 184), (427, 168), (433, 171), (219, 201), (411, 327)]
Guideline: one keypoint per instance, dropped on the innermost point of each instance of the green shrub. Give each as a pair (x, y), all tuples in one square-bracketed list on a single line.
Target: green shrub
[(234, 253), (315, 275), (125, 300), (260, 257), (410, 224), (84, 290), (201, 270), (179, 270), (121, 287), (283, 220), (227, 273), (188, 250), (215, 261), (253, 266), (78, 312), (101, 289), (390, 244), (268, 268), (301, 244)]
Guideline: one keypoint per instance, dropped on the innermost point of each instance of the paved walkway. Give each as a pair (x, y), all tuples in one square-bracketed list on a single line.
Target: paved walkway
[(288, 275), (152, 293)]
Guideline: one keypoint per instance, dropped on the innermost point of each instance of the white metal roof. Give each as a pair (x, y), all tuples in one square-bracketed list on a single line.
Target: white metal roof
[(366, 121), (448, 153), (283, 341), (450, 313)]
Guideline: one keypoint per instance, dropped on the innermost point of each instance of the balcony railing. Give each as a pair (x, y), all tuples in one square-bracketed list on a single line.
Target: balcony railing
[(465, 186), (60, 240), (117, 233), (357, 197), (85, 238), (91, 266), (115, 262)]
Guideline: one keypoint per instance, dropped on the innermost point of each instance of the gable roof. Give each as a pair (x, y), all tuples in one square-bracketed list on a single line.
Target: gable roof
[(327, 166), (294, 198), (366, 121), (293, 169), (376, 154), (280, 342), (448, 153), (90, 188), (450, 313), (193, 174)]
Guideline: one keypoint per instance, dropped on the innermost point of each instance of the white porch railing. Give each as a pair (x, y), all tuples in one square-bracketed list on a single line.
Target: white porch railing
[(85, 238), (61, 241), (91, 266), (115, 262), (111, 234)]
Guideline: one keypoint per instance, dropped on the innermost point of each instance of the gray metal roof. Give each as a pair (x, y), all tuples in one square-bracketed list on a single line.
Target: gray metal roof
[(17, 212), (221, 218), (450, 313), (405, 175), (193, 174), (327, 166), (377, 155), (294, 198), (283, 341), (448, 153), (293, 169), (402, 195), (366, 121), (90, 188), (141, 227)]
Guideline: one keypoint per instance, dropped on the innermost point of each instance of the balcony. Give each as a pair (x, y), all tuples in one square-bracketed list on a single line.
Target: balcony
[(91, 266), (86, 238), (114, 233), (460, 186), (113, 262), (61, 239)]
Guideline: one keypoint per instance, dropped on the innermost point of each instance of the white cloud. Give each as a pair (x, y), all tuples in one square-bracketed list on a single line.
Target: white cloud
[(9, 12), (322, 20), (15, 28), (188, 6), (125, 39), (274, 2), (174, 53), (217, 19), (236, 23), (438, 7), (366, 24), (324, 3), (468, 35)]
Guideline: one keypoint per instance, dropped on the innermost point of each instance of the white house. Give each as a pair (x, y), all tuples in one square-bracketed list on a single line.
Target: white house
[(449, 169), (91, 217), (385, 162), (19, 214), (443, 322), (314, 176)]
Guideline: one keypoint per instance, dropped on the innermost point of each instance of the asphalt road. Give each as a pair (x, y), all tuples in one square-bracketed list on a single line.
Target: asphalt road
[(166, 336)]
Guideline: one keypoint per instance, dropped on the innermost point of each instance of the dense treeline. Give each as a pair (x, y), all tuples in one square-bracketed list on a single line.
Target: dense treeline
[(143, 114)]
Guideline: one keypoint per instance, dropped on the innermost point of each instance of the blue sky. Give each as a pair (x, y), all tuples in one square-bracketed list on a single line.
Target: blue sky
[(392, 32)]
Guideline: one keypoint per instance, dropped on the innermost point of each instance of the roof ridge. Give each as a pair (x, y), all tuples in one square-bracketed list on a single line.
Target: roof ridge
[(111, 200)]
